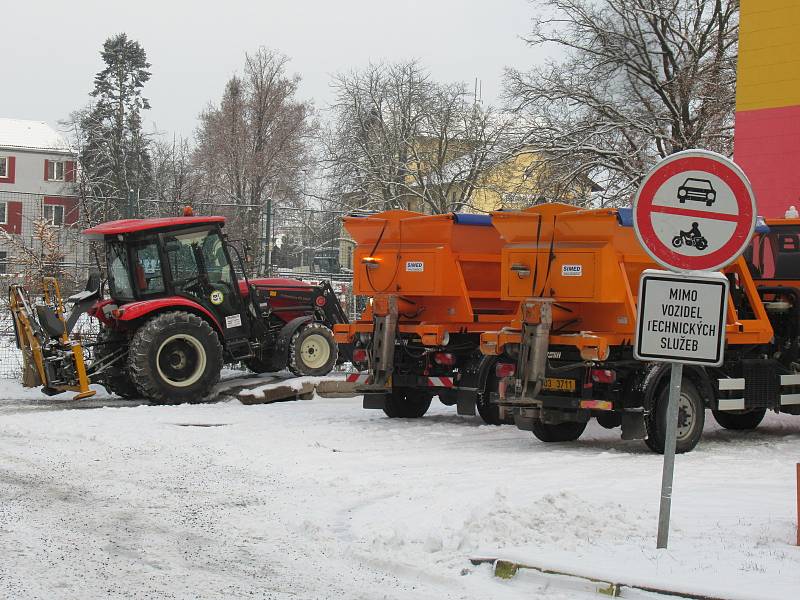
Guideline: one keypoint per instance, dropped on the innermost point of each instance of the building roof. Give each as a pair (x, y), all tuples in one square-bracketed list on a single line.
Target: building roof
[(31, 135)]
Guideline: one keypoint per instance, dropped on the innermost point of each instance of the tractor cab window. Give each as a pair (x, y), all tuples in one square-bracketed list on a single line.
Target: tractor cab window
[(148, 277), (199, 264), (776, 254), (118, 279)]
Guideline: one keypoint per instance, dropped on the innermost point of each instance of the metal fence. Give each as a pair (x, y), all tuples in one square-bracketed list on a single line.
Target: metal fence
[(87, 328)]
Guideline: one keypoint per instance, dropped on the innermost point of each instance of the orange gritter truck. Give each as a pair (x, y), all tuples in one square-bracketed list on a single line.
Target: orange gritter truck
[(553, 301), (434, 284)]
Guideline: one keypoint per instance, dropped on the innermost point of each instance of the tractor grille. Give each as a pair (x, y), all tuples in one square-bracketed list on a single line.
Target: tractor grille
[(762, 384)]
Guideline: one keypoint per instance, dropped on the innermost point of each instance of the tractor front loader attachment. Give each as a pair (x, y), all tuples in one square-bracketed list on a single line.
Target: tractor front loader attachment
[(49, 357)]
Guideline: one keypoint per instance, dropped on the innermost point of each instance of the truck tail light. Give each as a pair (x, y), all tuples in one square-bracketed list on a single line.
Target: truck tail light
[(359, 355), (505, 370), (445, 359), (603, 376)]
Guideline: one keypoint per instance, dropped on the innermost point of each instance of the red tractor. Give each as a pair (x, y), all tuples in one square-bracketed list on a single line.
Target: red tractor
[(176, 311)]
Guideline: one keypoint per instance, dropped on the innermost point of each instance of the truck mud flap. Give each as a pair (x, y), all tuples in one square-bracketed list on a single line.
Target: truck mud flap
[(466, 405), (633, 426), (523, 423), (375, 400)]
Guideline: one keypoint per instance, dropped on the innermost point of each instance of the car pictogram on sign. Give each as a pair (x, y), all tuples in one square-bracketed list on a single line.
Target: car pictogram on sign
[(697, 189)]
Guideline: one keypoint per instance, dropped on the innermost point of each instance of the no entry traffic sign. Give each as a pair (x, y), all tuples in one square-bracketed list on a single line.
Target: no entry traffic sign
[(695, 211)]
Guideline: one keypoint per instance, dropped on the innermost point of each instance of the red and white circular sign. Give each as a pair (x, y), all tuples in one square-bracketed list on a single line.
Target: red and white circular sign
[(695, 211)]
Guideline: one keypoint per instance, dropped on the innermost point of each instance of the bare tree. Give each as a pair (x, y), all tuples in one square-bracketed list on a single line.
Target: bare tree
[(174, 179), (400, 140), (254, 147), (42, 257), (642, 79)]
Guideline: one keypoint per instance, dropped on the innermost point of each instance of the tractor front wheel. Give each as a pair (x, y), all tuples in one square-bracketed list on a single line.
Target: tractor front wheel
[(313, 350), (175, 357)]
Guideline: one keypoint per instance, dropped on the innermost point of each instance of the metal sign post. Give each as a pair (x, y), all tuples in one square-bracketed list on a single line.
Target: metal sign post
[(670, 441), (694, 213)]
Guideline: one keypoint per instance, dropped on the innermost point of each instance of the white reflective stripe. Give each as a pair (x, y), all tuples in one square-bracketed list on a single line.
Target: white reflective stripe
[(357, 377), (790, 398), (790, 379), (731, 384), (440, 382), (731, 404)]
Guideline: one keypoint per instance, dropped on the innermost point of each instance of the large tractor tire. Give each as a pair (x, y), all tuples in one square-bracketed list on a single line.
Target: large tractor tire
[(741, 421), (312, 350), (118, 381), (175, 357), (407, 403), (691, 418), (562, 432)]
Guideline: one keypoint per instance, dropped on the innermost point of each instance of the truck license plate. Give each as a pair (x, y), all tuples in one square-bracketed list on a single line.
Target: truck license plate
[(559, 385)]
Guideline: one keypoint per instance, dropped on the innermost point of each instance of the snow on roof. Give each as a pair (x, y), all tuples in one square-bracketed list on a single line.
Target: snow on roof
[(30, 135)]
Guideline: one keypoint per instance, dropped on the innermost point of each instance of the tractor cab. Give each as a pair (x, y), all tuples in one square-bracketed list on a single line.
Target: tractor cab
[(166, 262)]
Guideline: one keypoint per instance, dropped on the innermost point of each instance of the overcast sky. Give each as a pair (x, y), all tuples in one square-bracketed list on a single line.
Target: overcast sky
[(51, 49)]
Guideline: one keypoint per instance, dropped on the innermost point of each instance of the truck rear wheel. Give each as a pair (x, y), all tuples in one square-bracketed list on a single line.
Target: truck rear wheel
[(489, 412), (313, 350), (691, 418), (175, 357), (563, 432), (740, 421), (407, 403)]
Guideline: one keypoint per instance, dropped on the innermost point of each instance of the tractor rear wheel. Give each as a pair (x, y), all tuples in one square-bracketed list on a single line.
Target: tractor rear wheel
[(312, 350), (118, 380), (175, 357)]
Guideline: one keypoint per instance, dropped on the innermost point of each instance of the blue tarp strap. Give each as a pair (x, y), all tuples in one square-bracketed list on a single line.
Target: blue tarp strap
[(469, 219)]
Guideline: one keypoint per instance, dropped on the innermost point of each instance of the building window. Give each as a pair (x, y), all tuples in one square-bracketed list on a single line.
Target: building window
[(3, 166), (54, 214), (3, 263), (55, 170), (3, 213)]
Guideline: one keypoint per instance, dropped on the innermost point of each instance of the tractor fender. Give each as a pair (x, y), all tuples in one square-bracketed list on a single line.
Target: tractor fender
[(657, 374), (144, 308), (281, 352)]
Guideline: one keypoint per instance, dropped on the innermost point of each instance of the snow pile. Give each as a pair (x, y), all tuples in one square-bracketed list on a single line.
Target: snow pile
[(323, 499)]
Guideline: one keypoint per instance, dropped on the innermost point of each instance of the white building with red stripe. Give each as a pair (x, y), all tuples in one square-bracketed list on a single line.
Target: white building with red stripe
[(37, 181)]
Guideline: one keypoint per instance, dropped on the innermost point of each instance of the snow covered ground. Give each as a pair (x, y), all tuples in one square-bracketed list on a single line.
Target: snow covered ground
[(322, 499)]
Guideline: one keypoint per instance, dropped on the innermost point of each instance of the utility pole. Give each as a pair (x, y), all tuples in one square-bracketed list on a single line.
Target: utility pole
[(268, 268), (131, 214)]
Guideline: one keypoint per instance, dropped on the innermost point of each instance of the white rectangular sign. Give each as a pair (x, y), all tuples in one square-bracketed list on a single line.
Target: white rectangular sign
[(681, 318)]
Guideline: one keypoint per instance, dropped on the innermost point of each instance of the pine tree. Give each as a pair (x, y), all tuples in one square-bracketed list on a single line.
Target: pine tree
[(115, 152)]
